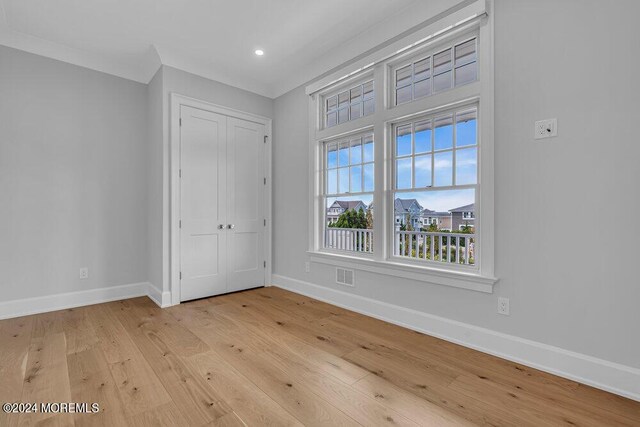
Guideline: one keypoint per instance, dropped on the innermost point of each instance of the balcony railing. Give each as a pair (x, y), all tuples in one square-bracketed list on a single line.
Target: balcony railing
[(349, 239), (443, 247)]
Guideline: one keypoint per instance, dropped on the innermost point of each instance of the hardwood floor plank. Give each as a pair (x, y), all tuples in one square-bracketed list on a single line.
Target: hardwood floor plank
[(271, 357), (229, 420), (46, 377), (433, 388), (78, 329), (359, 407), (166, 415), (138, 385), (379, 334), (143, 313), (363, 409), (241, 352), (248, 402), (411, 406), (304, 330), (91, 381), (515, 376), (325, 361), (115, 342), (15, 339), (531, 407), (195, 400)]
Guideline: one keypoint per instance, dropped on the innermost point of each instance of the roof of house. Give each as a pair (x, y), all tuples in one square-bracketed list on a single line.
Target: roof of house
[(349, 204), (466, 208), (429, 212), (405, 204)]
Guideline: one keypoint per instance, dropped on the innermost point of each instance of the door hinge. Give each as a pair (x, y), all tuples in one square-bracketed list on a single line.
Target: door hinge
[(265, 222), (180, 173), (180, 121), (265, 181), (265, 264), (181, 275), (180, 224), (265, 139)]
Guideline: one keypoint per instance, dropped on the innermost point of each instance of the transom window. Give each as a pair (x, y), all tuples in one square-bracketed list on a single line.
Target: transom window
[(437, 72), (349, 105)]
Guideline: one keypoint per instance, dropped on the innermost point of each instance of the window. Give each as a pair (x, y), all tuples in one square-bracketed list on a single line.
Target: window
[(349, 104), (348, 195), (436, 166), (423, 176), (451, 67)]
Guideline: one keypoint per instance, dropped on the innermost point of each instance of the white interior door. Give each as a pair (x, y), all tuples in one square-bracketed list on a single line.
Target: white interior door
[(203, 203), (222, 204), (245, 180)]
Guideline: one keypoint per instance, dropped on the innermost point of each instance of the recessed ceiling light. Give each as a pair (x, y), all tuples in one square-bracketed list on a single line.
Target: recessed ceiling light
[(259, 52)]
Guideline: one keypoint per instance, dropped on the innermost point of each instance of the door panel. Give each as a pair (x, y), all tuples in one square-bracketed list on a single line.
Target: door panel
[(203, 203), (246, 189)]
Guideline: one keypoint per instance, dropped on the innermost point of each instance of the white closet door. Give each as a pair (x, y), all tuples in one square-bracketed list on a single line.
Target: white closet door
[(246, 192), (203, 203)]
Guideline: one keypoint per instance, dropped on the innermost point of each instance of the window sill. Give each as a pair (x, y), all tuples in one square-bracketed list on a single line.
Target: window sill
[(456, 279)]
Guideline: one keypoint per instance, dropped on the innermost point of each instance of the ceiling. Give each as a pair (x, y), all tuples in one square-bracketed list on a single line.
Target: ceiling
[(216, 39)]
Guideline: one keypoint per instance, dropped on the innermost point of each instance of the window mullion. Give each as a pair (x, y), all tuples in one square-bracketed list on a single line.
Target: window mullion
[(381, 169), (454, 144)]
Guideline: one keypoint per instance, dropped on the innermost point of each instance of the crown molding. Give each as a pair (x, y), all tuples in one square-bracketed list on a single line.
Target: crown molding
[(142, 68), (175, 59), (136, 69)]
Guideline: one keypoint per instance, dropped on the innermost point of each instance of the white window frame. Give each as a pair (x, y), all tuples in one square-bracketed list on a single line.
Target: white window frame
[(346, 88), (450, 43), (322, 196), (465, 23)]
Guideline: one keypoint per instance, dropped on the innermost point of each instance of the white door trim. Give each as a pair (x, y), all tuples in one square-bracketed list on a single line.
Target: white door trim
[(177, 100)]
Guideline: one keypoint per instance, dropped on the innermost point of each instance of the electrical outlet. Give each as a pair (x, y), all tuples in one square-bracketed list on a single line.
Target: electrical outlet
[(307, 267), (84, 273), (503, 306), (546, 128)]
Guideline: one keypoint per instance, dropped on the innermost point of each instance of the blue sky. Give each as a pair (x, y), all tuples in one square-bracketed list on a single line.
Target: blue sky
[(361, 176), (466, 156)]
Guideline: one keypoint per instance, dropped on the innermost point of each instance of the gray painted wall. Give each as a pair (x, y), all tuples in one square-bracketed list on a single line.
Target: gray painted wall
[(154, 184), (72, 177), (569, 60)]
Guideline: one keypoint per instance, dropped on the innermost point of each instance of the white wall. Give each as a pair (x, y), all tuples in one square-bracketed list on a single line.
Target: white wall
[(570, 273), (173, 80), (72, 177)]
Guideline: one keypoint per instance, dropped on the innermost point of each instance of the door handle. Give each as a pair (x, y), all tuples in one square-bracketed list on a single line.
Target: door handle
[(230, 226), (220, 226)]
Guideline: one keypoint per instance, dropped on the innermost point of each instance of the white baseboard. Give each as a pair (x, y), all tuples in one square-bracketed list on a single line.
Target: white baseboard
[(35, 305), (599, 373), (162, 299)]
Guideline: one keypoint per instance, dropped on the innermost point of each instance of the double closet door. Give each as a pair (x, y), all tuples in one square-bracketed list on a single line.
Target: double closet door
[(222, 204)]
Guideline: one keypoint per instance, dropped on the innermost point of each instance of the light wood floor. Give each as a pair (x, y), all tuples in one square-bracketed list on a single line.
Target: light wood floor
[(270, 357)]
